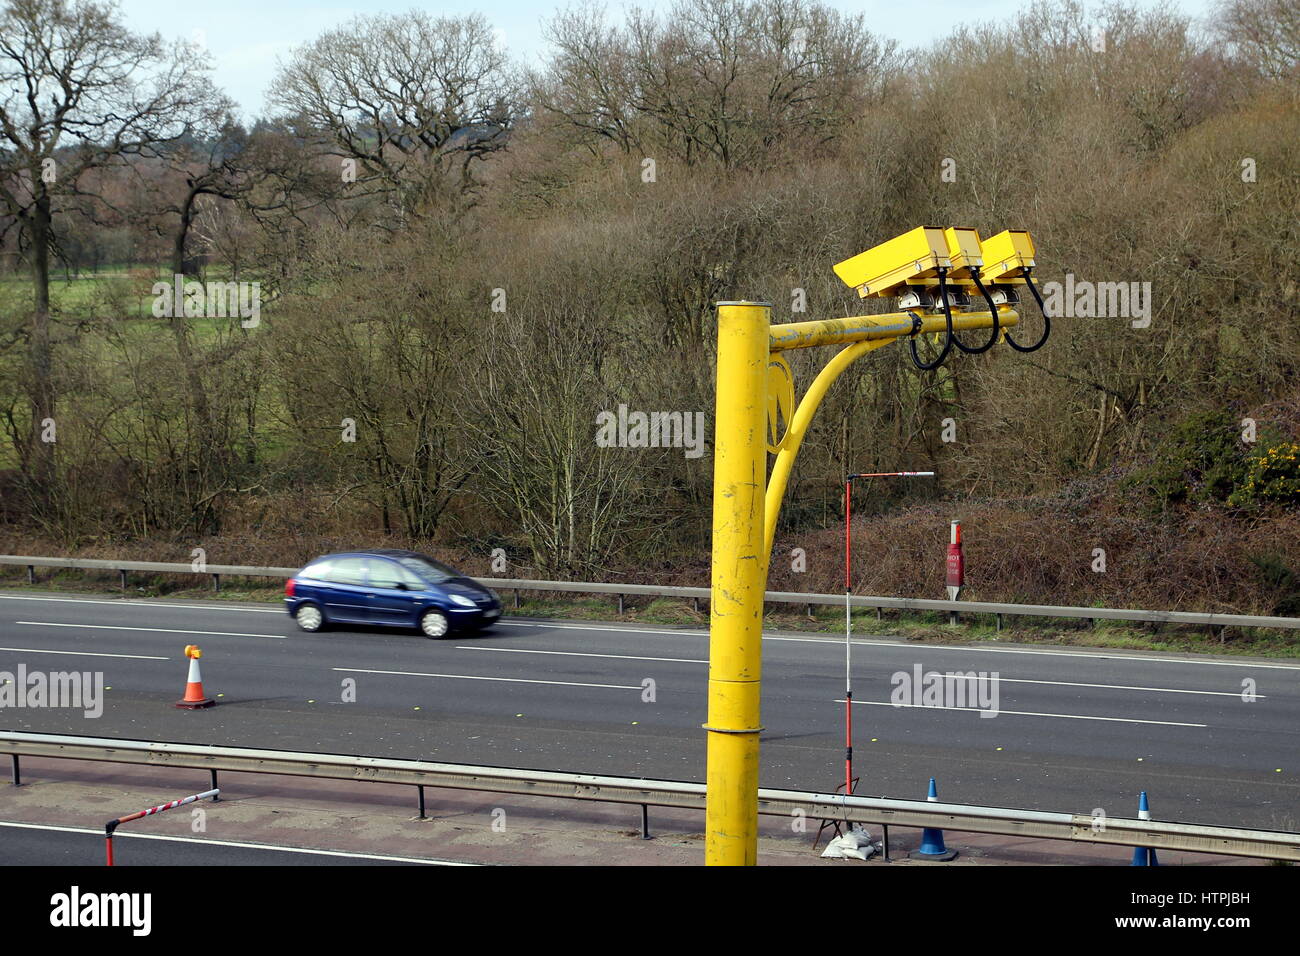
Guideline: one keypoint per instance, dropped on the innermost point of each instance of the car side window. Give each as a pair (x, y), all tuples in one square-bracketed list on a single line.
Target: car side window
[(348, 571), (320, 571), (385, 574)]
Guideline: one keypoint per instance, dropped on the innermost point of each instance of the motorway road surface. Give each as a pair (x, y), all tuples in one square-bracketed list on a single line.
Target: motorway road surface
[(1077, 730)]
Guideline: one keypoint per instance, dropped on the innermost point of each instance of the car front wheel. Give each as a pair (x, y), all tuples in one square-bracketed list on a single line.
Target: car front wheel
[(433, 623), (309, 618)]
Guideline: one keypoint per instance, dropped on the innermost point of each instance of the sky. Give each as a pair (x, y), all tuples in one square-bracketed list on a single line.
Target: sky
[(245, 38)]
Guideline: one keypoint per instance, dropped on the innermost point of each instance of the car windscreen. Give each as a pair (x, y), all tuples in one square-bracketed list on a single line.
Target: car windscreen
[(430, 569)]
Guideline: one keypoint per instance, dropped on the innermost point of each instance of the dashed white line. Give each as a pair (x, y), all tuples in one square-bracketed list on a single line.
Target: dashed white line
[(616, 630), (1116, 658), (913, 648), (41, 650), (598, 627), (1023, 713), (507, 680), (152, 630), (136, 602), (1158, 690), (618, 657), (1004, 680)]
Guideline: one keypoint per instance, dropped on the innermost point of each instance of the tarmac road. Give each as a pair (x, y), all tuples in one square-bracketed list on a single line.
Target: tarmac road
[(1075, 730)]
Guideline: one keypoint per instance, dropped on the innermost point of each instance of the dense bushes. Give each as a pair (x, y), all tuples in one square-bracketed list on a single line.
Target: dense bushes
[(441, 333)]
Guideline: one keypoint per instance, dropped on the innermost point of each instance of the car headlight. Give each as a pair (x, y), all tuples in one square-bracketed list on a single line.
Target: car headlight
[(461, 600)]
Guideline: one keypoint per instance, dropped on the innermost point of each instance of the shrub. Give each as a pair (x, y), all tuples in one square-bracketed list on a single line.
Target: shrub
[(1200, 460), (1272, 474)]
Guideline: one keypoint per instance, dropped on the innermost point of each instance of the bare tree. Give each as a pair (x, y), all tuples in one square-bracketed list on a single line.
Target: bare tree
[(409, 99), (78, 91), (1266, 33), (720, 80)]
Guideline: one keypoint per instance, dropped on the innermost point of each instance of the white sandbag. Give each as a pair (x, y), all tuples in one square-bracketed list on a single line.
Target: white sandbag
[(854, 845)]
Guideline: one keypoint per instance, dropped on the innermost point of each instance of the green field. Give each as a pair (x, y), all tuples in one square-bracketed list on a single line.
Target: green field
[(104, 323)]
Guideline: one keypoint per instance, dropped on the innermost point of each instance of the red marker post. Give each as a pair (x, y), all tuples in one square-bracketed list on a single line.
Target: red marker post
[(112, 825), (956, 567)]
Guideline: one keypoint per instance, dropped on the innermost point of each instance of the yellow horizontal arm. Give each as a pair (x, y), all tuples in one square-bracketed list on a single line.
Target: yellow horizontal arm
[(865, 328)]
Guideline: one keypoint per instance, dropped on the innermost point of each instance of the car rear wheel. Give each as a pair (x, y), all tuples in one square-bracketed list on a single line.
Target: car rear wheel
[(434, 623), (309, 618)]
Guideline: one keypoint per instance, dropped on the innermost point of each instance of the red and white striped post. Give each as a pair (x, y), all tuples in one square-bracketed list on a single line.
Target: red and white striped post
[(956, 567), (848, 615), (112, 825)]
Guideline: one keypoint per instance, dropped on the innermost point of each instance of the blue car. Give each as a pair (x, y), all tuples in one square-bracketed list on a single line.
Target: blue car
[(390, 588)]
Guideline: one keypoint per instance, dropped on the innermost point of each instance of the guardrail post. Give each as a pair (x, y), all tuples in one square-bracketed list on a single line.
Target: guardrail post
[(31, 574), (645, 822), (516, 599), (999, 617), (695, 603), (620, 604), (212, 774), (884, 842), (17, 775), (952, 618), (880, 614), (216, 582), (810, 611), (123, 577), (420, 788)]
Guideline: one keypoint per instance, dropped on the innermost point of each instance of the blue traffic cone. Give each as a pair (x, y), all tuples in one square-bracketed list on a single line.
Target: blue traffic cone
[(1144, 855), (932, 847)]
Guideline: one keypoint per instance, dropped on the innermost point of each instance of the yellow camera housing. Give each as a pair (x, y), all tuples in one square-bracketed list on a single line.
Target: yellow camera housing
[(964, 252), (910, 259), (1007, 255)]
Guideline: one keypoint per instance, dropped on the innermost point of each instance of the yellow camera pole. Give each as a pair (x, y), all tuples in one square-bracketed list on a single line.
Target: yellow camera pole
[(739, 581), (744, 523), (754, 385)]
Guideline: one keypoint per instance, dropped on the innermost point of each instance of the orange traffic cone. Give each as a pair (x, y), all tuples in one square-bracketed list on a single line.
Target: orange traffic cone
[(194, 699)]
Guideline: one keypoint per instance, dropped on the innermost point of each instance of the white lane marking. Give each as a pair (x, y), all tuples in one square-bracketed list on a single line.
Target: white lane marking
[(605, 628), (136, 602), (1004, 680), (1159, 690), (1025, 713), (676, 633), (230, 843), (41, 650), (1119, 659), (508, 680), (910, 647), (152, 630), (619, 657)]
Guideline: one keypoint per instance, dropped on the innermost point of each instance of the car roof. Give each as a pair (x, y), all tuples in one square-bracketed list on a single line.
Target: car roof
[(371, 552)]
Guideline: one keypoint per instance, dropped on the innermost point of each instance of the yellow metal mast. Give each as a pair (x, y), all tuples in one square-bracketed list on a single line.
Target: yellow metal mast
[(753, 382), (739, 580)]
